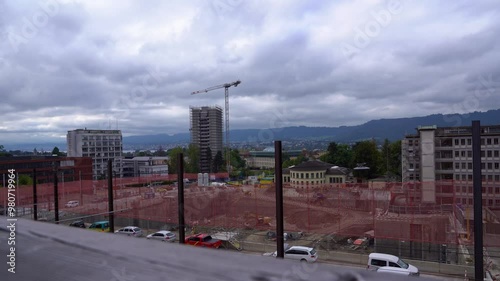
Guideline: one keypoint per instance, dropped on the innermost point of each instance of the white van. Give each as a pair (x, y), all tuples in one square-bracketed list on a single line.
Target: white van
[(390, 264)]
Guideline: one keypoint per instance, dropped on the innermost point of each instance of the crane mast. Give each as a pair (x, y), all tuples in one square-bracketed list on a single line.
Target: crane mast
[(226, 87)]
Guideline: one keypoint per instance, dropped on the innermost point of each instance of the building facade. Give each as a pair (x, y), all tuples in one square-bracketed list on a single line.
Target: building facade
[(100, 145), (315, 173), (68, 168), (206, 133), (437, 164), (265, 159), (144, 166)]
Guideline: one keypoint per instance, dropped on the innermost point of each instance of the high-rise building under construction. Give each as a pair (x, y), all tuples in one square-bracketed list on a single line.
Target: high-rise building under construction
[(206, 133)]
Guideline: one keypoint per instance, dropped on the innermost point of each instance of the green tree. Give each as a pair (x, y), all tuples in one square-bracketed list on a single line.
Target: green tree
[(172, 159), (395, 158), (384, 153), (236, 161), (193, 155), (366, 153), (25, 180), (338, 154), (239, 168), (218, 162), (144, 153), (2, 151), (292, 162), (160, 152), (55, 151)]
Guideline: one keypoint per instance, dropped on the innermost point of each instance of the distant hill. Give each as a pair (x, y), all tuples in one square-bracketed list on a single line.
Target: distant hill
[(392, 129)]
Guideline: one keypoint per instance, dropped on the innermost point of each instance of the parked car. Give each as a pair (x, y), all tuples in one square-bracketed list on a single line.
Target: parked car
[(100, 226), (203, 240), (162, 235), (300, 253), (72, 204), (130, 231), (391, 264), (78, 223)]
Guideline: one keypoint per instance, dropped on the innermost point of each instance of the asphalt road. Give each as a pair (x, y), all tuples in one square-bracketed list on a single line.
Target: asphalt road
[(51, 252)]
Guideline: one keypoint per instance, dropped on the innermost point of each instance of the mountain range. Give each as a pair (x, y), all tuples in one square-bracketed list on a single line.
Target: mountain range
[(392, 129)]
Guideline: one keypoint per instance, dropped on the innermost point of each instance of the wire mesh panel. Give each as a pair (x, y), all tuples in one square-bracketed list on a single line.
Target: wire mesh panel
[(352, 218)]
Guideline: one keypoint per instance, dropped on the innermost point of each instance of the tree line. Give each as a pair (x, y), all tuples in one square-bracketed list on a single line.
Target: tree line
[(382, 160), (191, 161)]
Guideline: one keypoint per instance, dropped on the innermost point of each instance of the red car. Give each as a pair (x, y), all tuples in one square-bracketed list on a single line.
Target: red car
[(203, 240)]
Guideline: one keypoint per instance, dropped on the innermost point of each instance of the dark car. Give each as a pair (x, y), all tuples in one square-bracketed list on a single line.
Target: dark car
[(78, 223)]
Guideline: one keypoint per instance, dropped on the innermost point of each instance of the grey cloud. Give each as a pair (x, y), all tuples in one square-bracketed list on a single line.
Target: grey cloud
[(79, 65)]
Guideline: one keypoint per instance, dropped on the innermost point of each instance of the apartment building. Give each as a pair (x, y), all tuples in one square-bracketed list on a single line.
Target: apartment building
[(145, 166), (437, 164), (206, 133), (100, 145)]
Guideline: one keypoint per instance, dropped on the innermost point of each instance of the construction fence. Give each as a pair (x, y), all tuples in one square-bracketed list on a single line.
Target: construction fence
[(353, 218)]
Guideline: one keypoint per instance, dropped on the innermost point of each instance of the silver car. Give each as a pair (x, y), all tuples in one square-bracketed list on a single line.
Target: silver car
[(162, 235), (130, 231)]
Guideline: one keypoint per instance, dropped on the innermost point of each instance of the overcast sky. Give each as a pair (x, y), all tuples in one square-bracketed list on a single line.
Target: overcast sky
[(133, 64)]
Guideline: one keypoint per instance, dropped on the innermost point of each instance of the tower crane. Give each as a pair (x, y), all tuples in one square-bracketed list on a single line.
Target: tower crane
[(226, 86)]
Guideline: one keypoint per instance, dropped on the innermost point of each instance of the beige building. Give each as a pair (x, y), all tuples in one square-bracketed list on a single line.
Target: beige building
[(316, 173), (437, 164), (265, 159)]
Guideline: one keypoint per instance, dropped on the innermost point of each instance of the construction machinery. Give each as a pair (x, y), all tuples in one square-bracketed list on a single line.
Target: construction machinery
[(226, 86)]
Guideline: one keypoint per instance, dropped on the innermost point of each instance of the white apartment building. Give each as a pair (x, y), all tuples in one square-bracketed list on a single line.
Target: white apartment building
[(440, 161), (100, 145), (145, 166)]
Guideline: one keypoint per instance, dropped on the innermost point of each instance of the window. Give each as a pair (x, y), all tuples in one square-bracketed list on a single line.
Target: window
[(483, 166), (497, 178), (469, 141), (457, 165), (495, 153), (462, 141), (457, 153), (464, 165), (482, 141), (469, 153), (457, 177), (378, 262), (483, 153), (495, 141), (490, 166), (462, 153), (490, 190), (469, 165), (456, 141), (490, 153), (488, 141), (392, 264)]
